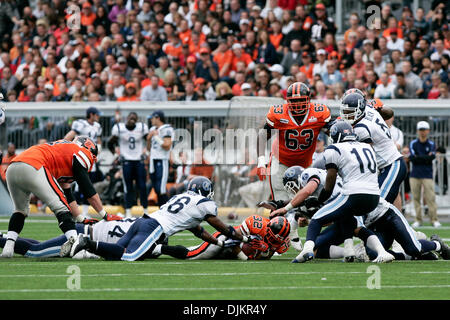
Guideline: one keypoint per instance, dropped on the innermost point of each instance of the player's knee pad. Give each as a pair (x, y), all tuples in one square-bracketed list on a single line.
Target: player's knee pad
[(65, 221)]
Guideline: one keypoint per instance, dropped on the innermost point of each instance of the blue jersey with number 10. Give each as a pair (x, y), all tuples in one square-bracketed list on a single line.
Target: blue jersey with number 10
[(184, 211)]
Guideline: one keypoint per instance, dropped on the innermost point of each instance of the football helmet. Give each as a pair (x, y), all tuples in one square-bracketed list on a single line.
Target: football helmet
[(291, 179), (353, 107), (298, 96), (88, 143), (202, 186), (278, 230), (342, 131)]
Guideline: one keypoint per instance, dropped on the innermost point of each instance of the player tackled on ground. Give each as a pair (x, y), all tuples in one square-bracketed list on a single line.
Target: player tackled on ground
[(182, 212)]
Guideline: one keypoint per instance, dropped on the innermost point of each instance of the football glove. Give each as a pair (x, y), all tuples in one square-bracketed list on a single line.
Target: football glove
[(271, 205), (89, 221), (111, 217), (230, 243)]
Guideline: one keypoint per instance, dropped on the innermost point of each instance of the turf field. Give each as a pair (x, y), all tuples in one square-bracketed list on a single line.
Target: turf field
[(167, 278)]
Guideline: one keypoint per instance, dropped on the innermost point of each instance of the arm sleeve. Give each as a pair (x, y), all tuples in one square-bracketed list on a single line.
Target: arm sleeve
[(81, 176)]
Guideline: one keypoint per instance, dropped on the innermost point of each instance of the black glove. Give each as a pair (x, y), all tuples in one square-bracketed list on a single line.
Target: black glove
[(271, 205)]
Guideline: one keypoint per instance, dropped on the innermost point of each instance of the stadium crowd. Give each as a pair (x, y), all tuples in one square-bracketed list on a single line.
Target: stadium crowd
[(159, 50)]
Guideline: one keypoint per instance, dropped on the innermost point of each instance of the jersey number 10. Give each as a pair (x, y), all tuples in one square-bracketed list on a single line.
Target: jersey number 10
[(371, 164)]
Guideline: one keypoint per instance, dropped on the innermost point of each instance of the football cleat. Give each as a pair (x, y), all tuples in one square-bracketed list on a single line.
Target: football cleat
[(430, 255), (8, 250), (384, 257), (79, 244), (445, 249), (303, 257), (84, 254), (65, 248), (360, 253), (437, 224)]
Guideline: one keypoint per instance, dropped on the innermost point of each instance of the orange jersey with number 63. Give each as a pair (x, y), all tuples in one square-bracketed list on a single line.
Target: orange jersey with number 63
[(296, 142)]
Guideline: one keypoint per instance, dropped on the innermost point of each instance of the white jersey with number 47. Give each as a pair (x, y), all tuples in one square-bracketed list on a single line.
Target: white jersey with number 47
[(356, 165), (373, 129), (111, 231), (131, 142), (184, 211)]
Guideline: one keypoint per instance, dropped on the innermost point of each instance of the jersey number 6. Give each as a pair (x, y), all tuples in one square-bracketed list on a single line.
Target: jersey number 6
[(178, 205)]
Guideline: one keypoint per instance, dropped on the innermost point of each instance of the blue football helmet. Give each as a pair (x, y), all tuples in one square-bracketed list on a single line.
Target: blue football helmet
[(342, 131), (353, 106), (202, 186), (291, 179)]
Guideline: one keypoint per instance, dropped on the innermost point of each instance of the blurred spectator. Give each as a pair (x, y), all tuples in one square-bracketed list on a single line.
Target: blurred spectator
[(293, 55), (205, 67), (412, 78), (385, 90), (320, 67), (154, 92), (331, 76)]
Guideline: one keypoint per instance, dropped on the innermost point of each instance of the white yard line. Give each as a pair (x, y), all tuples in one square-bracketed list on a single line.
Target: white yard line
[(217, 289), (232, 274)]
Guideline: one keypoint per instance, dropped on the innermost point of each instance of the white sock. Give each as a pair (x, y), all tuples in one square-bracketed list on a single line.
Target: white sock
[(348, 243), (157, 249), (374, 243), (336, 252), (438, 246), (145, 210), (12, 235), (294, 226), (85, 209), (127, 212), (71, 233), (309, 246)]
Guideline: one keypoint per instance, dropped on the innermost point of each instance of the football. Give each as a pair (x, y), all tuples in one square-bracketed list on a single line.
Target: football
[(248, 250)]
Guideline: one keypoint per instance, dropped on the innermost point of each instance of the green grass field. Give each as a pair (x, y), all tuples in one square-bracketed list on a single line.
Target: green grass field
[(167, 278)]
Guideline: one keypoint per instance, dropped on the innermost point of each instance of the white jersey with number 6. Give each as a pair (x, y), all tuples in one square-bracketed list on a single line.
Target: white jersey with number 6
[(356, 164), (184, 211), (111, 231), (131, 142), (373, 129)]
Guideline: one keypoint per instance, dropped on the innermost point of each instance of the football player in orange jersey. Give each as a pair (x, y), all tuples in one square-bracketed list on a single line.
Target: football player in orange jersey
[(45, 170), (299, 122), (270, 236)]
